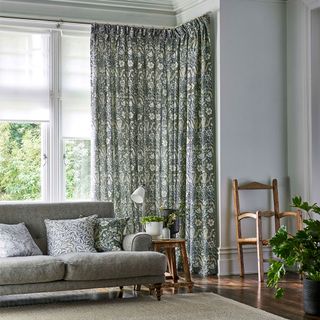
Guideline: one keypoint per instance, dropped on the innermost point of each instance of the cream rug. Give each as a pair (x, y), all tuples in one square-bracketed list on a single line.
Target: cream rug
[(193, 306)]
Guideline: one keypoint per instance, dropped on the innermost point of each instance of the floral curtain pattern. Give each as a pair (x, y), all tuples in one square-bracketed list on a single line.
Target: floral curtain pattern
[(153, 110)]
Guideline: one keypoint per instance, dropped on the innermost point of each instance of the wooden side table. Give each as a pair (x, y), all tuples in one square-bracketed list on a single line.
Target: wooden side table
[(169, 246)]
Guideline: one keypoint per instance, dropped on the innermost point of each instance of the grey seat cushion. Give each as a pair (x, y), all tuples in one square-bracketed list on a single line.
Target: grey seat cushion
[(32, 269), (113, 265)]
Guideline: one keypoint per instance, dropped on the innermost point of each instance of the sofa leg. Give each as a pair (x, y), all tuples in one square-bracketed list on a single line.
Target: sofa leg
[(157, 286), (137, 287)]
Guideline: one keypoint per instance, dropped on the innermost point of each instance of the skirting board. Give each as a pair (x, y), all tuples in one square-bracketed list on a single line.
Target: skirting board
[(228, 260)]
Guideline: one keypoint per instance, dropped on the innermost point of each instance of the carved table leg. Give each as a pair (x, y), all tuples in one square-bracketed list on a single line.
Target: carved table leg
[(158, 290)]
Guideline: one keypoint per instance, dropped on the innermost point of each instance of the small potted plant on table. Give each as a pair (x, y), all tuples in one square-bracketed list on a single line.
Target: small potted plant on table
[(303, 250), (153, 225), (171, 220)]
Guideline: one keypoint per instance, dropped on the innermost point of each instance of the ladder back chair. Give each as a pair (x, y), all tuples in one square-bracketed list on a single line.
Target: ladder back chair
[(258, 239)]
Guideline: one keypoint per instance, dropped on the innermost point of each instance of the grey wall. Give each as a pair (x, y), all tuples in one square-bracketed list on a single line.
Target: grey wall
[(253, 144)]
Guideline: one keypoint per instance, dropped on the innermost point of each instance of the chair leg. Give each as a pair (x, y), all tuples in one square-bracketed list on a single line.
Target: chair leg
[(259, 248), (260, 262), (240, 259)]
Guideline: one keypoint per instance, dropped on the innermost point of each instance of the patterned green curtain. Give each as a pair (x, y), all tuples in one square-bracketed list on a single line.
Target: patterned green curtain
[(154, 117)]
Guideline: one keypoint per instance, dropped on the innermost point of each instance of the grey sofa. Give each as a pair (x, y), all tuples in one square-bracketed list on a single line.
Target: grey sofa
[(135, 265)]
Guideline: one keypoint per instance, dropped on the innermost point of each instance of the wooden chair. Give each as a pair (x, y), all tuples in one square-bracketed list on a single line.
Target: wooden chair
[(258, 239)]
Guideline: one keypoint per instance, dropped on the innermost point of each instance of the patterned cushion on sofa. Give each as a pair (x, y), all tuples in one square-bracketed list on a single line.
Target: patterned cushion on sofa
[(15, 240), (109, 234), (71, 235)]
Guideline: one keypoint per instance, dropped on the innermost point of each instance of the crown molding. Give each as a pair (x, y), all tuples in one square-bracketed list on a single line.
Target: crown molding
[(167, 10), (83, 11), (168, 7), (164, 7), (183, 5)]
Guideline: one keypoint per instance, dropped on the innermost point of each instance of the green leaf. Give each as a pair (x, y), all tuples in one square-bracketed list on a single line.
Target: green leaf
[(279, 293), (147, 219)]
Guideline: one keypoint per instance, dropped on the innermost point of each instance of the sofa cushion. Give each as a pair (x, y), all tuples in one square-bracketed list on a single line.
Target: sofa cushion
[(15, 240), (109, 234), (33, 269), (113, 265), (70, 235)]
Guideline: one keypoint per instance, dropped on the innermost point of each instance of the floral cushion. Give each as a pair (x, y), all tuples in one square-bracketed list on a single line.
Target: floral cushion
[(109, 234), (71, 235), (15, 240)]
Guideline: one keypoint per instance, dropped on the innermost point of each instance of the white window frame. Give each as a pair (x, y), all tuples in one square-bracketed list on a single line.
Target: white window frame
[(52, 172)]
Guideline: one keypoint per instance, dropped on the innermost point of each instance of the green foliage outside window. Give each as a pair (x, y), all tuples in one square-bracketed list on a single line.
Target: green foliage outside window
[(20, 161), (77, 168)]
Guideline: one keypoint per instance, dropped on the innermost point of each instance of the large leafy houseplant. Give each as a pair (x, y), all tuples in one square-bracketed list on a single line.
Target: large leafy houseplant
[(301, 249)]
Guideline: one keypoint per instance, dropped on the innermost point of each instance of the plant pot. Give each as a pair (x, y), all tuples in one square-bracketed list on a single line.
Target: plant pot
[(174, 229), (154, 229), (311, 297)]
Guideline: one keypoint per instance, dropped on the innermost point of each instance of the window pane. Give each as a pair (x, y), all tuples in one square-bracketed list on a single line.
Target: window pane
[(75, 86), (20, 161), (24, 76), (76, 114), (77, 169)]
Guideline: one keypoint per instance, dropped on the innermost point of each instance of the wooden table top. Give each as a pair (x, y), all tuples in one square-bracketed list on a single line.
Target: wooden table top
[(168, 240)]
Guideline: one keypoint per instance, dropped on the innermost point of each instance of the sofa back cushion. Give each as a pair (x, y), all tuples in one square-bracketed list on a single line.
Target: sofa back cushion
[(70, 235), (109, 233), (16, 241), (34, 214)]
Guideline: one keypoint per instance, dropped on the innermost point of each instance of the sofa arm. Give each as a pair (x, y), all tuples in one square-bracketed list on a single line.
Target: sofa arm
[(140, 241)]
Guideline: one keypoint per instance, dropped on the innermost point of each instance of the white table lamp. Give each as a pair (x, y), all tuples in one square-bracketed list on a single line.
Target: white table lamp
[(138, 195)]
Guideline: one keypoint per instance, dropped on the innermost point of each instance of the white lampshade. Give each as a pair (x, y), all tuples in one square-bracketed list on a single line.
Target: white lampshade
[(138, 195)]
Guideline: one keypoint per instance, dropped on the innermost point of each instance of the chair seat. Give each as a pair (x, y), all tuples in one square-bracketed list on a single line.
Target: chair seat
[(252, 241)]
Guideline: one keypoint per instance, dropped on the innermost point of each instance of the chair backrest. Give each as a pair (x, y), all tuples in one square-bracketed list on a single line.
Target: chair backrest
[(257, 186)]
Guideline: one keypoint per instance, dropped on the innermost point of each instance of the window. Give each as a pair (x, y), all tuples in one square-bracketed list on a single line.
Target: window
[(45, 124)]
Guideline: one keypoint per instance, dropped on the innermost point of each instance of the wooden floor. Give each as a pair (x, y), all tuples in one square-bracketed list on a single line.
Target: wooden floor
[(246, 290)]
